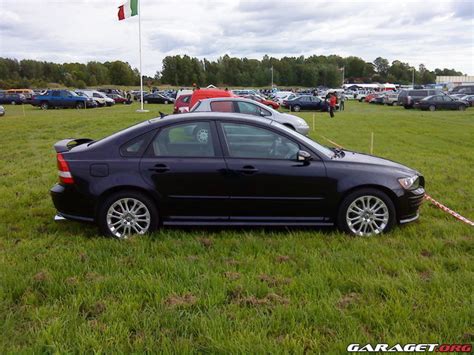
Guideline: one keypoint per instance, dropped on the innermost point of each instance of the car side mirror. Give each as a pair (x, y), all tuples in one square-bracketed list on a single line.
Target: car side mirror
[(303, 156)]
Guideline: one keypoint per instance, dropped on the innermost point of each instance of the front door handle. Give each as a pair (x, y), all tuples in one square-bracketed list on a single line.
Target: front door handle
[(248, 169), (160, 168)]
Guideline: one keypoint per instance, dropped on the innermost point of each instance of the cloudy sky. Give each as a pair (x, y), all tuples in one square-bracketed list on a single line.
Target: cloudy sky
[(437, 33)]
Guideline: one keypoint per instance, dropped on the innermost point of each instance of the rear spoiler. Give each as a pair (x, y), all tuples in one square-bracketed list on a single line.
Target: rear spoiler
[(69, 143)]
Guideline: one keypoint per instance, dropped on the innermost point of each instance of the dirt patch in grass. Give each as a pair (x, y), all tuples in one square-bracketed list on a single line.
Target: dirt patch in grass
[(206, 242), (426, 275), (97, 325), (92, 311), (232, 262), (272, 299), (232, 275), (426, 253), (72, 281), (347, 300), (272, 281), (282, 259), (41, 277), (93, 277), (185, 300), (192, 258)]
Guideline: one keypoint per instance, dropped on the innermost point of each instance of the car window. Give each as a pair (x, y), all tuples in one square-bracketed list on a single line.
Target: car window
[(222, 106), (246, 141), (252, 109), (136, 146), (56, 93), (184, 140)]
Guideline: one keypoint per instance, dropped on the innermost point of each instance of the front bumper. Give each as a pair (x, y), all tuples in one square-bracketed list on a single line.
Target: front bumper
[(409, 204)]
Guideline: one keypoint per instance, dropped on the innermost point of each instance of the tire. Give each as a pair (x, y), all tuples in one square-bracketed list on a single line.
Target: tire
[(145, 102), (13, 102), (379, 223), (395, 103), (296, 108), (110, 210), (44, 106), (462, 108), (432, 108), (166, 102), (79, 105)]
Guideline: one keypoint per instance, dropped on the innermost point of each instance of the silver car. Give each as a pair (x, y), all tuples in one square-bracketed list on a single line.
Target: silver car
[(2, 111), (250, 107)]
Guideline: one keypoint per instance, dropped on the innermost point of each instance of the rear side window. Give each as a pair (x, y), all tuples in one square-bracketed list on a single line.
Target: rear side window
[(222, 106), (136, 147)]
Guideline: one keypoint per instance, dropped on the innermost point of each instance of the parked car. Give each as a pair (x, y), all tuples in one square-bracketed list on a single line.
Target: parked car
[(469, 98), (156, 98), (378, 99), (228, 169), (136, 94), (13, 99), (463, 89), (262, 100), (118, 99), (90, 103), (250, 107), (457, 96), (391, 98), (99, 97), (438, 102), (2, 111), (306, 102), (201, 94), (181, 104), (244, 92), (285, 97), (59, 98), (408, 98), (27, 94)]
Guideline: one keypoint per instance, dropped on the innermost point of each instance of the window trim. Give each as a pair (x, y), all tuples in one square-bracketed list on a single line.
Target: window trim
[(225, 148), (215, 142)]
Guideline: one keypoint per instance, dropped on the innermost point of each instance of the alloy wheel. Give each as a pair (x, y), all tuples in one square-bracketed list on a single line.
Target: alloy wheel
[(367, 215), (128, 216)]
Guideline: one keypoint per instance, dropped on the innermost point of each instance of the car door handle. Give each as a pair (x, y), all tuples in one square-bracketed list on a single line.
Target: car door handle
[(160, 168), (248, 169)]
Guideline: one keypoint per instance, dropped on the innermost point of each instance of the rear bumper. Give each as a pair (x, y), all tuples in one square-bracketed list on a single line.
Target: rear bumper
[(71, 204)]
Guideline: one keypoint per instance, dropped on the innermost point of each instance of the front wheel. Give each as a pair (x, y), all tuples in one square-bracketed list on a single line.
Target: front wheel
[(462, 108), (296, 108), (13, 102), (432, 108), (395, 103), (366, 212), (125, 213), (79, 105), (44, 106)]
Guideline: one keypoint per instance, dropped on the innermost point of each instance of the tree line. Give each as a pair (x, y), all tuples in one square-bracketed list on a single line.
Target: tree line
[(184, 70)]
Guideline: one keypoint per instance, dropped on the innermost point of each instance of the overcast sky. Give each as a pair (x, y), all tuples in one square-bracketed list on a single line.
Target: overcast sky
[(436, 33)]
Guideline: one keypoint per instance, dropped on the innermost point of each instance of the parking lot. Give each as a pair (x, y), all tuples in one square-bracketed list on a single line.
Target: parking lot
[(233, 290)]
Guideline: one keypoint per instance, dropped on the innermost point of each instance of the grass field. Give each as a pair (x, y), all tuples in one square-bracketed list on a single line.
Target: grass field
[(64, 288)]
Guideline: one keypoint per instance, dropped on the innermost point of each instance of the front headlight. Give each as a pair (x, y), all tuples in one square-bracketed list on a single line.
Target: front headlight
[(409, 183)]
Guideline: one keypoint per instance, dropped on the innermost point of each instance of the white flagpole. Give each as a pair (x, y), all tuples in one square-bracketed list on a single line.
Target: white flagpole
[(140, 45)]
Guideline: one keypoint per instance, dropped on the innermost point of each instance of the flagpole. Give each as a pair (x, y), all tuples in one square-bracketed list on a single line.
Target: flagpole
[(140, 50)]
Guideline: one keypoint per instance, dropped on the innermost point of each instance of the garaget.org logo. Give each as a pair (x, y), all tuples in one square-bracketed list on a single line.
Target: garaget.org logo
[(410, 348)]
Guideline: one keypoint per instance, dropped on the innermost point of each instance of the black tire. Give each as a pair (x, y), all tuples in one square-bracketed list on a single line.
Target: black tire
[(13, 102), (462, 108), (432, 108), (296, 108), (79, 105), (44, 106), (347, 201), (111, 199), (395, 103)]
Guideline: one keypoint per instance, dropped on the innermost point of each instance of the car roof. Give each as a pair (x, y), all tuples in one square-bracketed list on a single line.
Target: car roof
[(211, 115), (229, 98)]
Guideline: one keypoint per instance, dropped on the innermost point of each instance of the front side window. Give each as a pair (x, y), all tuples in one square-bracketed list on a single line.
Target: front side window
[(246, 141), (252, 109), (192, 139)]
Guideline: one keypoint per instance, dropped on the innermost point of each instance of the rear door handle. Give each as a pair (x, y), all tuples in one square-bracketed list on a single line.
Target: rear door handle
[(248, 169), (160, 168)]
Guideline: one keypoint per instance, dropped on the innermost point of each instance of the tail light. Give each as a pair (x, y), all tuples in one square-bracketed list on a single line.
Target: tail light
[(63, 170)]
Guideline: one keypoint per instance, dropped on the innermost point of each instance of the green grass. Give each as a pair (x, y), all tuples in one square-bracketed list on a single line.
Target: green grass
[(64, 288)]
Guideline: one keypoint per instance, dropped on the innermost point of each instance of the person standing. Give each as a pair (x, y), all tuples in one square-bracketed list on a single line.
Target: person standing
[(332, 105), (341, 101)]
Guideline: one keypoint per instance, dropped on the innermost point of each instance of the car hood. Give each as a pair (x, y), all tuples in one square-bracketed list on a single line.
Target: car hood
[(360, 158), (288, 117)]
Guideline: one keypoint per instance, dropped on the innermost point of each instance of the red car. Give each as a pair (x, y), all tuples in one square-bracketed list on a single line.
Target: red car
[(270, 103), (371, 96), (117, 98), (201, 94), (181, 104)]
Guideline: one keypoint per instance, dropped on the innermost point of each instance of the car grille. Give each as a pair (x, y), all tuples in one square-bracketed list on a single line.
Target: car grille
[(416, 200)]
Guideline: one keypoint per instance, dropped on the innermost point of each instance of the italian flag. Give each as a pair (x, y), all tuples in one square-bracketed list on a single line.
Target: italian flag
[(129, 9)]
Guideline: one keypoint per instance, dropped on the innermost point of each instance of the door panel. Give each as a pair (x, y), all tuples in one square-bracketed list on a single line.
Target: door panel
[(185, 166), (265, 180)]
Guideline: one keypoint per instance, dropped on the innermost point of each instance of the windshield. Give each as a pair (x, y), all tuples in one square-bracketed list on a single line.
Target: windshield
[(72, 93), (313, 144)]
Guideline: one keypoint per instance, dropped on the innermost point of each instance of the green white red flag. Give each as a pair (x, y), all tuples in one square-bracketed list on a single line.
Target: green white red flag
[(129, 9)]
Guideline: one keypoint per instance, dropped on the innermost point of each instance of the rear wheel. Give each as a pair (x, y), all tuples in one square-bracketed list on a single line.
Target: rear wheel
[(79, 105), (366, 212), (44, 106), (296, 108), (166, 102), (462, 108), (395, 103), (432, 108), (125, 213), (13, 102)]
